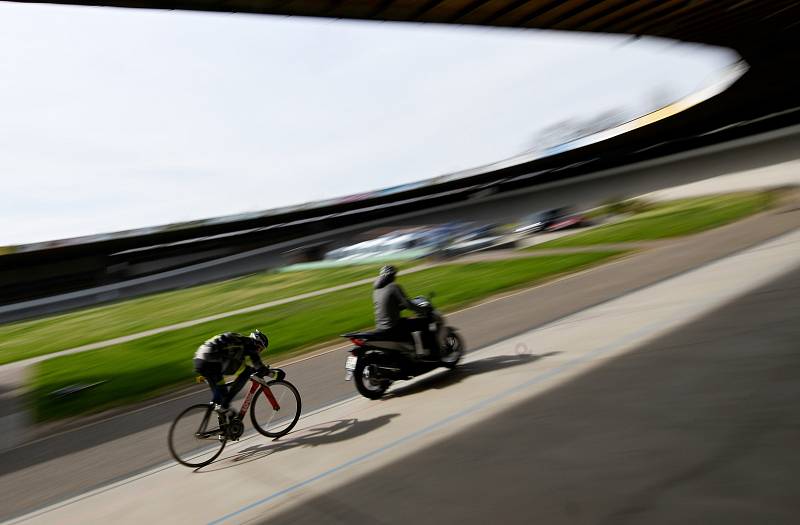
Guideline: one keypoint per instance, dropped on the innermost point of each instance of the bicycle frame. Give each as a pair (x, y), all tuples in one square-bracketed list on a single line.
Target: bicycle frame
[(257, 384)]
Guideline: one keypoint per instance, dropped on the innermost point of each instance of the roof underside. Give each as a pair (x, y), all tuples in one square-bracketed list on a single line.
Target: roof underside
[(731, 23)]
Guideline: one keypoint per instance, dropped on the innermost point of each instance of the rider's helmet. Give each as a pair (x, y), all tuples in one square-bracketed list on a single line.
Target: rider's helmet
[(388, 272), (260, 339)]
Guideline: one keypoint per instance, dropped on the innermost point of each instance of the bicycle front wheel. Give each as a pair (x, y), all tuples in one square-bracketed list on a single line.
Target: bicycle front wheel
[(195, 437), (275, 409)]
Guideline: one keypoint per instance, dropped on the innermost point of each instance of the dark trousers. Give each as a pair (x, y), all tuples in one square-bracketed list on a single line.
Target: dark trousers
[(407, 325), (212, 372)]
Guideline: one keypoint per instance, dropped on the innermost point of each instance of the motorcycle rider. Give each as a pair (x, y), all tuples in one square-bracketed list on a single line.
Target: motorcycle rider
[(224, 354), (389, 301)]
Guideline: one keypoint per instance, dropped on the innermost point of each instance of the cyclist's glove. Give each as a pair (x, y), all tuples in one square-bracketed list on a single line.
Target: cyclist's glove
[(274, 373)]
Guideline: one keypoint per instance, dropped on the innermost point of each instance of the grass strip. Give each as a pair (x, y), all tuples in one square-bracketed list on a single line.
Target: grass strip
[(147, 367), (25, 339), (671, 219)]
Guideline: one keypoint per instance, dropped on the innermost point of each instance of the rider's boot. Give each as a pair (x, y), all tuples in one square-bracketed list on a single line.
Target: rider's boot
[(421, 351)]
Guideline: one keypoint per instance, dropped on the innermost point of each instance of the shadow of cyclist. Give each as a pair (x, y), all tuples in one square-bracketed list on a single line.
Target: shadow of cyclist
[(322, 434), (446, 378)]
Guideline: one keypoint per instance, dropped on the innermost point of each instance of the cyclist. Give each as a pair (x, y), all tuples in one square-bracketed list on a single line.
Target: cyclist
[(389, 300), (225, 354)]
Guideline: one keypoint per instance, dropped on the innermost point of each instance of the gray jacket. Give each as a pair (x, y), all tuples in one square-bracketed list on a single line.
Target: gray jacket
[(389, 300)]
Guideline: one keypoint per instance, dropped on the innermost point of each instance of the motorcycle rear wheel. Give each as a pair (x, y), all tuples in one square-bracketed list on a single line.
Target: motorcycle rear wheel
[(454, 348), (367, 382)]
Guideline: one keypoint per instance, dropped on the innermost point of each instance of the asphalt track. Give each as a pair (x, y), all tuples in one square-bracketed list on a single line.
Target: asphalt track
[(701, 425), (72, 462), (675, 402)]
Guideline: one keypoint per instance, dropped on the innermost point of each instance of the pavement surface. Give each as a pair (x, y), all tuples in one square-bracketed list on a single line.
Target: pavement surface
[(68, 461), (674, 402)]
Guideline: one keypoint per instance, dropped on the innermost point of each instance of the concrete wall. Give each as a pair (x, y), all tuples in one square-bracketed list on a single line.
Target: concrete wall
[(768, 161)]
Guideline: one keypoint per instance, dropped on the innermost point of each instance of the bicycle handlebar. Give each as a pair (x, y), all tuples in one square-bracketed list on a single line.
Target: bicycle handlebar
[(276, 373)]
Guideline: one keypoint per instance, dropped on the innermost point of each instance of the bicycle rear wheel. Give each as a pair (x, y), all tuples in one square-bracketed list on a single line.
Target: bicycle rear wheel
[(269, 421), (195, 437)]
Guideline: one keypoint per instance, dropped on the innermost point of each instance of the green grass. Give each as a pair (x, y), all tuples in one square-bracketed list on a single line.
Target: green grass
[(47, 335), (671, 219), (144, 368)]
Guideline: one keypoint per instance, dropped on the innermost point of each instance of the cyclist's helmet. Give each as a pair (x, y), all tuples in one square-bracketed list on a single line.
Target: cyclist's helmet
[(260, 339), (388, 272)]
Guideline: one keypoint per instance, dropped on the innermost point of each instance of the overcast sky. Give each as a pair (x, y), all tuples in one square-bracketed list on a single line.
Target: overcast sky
[(115, 119)]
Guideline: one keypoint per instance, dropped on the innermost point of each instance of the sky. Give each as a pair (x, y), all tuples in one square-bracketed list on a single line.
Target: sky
[(115, 119)]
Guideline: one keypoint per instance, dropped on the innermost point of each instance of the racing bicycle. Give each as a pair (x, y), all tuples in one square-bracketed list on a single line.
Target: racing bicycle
[(199, 434)]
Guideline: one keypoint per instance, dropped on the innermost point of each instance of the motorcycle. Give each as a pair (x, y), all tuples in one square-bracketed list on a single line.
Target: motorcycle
[(378, 359)]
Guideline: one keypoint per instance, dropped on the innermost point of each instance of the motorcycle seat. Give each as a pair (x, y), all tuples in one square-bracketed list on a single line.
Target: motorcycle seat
[(361, 335), (383, 335)]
